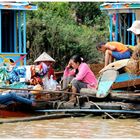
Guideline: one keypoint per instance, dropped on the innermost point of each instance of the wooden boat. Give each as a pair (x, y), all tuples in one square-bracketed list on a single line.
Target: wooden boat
[(111, 100), (118, 91), (9, 113), (105, 82), (111, 97), (17, 110), (121, 80)]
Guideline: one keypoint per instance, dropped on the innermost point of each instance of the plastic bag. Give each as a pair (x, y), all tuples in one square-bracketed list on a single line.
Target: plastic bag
[(45, 81), (28, 73), (52, 84)]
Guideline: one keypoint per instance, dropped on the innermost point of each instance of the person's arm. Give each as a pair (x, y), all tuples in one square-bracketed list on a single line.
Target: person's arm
[(68, 71), (110, 47), (82, 72)]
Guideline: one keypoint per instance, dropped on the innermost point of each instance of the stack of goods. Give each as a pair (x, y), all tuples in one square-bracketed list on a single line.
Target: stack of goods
[(27, 75)]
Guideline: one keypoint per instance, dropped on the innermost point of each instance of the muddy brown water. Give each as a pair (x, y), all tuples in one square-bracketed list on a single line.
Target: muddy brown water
[(77, 127)]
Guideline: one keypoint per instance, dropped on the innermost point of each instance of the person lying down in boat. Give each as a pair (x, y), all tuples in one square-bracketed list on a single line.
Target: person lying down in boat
[(9, 97), (81, 75), (114, 50)]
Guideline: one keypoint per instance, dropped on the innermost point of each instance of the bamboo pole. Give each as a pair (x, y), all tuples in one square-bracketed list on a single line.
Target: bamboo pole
[(35, 118), (49, 91)]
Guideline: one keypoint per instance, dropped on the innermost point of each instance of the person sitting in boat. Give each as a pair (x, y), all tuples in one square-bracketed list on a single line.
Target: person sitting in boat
[(114, 50), (48, 61), (133, 65), (9, 97), (84, 78)]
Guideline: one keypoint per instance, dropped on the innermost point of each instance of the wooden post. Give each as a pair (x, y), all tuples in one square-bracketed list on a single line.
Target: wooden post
[(116, 27), (133, 36), (111, 26)]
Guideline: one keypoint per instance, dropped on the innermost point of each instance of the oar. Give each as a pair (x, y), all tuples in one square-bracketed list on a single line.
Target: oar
[(49, 91)]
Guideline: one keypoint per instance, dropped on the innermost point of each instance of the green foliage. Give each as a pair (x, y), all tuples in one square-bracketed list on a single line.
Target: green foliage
[(53, 28), (87, 12)]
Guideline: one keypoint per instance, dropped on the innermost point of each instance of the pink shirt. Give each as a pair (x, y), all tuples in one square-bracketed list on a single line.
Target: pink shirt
[(85, 75)]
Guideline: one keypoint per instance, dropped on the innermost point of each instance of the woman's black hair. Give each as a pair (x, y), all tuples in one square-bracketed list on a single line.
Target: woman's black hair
[(77, 58), (99, 46)]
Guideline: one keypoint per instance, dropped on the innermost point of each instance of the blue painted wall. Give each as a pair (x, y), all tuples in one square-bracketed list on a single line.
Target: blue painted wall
[(13, 30)]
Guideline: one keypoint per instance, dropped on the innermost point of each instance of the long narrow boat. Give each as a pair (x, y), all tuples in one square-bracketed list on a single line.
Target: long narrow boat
[(118, 91)]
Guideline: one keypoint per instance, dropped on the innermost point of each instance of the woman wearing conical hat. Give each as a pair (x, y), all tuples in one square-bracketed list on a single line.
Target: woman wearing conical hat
[(49, 61)]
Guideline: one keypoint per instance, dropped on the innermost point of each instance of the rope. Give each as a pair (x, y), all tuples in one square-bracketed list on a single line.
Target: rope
[(101, 109), (59, 104)]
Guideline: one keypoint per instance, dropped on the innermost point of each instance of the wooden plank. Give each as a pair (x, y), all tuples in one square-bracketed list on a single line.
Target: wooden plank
[(102, 105), (129, 97), (116, 65), (125, 84)]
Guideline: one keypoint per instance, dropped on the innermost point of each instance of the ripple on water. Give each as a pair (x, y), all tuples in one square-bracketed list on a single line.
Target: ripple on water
[(83, 127)]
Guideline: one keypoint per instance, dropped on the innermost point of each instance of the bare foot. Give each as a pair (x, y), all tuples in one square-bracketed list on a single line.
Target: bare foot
[(72, 99)]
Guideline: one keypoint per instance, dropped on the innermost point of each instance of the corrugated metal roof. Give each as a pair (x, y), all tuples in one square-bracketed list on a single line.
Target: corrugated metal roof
[(112, 6), (120, 7), (17, 6)]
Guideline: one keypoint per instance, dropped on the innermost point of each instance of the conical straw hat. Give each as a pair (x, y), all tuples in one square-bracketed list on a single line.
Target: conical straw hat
[(135, 28), (44, 57)]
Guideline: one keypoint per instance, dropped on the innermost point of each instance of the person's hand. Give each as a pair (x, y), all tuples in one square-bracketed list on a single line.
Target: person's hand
[(69, 64)]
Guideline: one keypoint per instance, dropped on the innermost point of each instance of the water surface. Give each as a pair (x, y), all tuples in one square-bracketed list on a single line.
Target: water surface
[(78, 127)]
